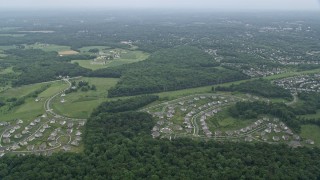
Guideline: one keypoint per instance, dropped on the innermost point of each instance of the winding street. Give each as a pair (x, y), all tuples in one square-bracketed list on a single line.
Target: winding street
[(50, 111)]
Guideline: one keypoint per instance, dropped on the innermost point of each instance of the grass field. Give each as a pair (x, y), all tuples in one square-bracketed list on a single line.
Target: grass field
[(48, 47), (12, 35), (316, 116), (126, 58), (87, 64), (67, 53), (2, 55), (223, 121), (3, 48), (87, 48), (30, 109), (311, 132), (21, 91), (6, 71), (80, 104)]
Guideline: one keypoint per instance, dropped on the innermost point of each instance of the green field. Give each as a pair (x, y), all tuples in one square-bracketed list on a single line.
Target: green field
[(311, 116), (12, 35), (80, 104), (30, 109), (127, 56), (44, 47), (6, 71), (223, 122), (87, 64), (311, 132), (20, 91), (87, 48), (3, 48), (48, 47)]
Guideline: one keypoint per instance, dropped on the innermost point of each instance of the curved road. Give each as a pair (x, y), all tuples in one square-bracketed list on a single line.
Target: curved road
[(50, 111)]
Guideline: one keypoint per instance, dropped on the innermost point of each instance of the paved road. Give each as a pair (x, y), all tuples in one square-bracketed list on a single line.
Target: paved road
[(49, 110), (295, 99)]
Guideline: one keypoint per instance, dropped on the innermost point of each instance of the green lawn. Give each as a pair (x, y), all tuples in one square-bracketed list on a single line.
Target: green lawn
[(311, 132), (80, 104)]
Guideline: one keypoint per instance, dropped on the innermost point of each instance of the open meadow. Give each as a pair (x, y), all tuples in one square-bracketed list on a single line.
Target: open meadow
[(80, 104), (107, 57)]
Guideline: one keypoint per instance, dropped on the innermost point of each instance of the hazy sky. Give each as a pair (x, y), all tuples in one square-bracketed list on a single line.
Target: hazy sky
[(197, 4)]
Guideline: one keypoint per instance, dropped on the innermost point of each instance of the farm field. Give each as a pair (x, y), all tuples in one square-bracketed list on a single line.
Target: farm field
[(311, 132), (30, 109), (6, 71), (311, 116), (64, 50), (12, 35), (67, 53), (87, 48), (80, 104), (48, 47), (119, 57), (3, 48)]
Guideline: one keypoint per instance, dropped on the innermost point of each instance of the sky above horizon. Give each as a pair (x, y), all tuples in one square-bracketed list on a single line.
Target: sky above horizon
[(175, 4)]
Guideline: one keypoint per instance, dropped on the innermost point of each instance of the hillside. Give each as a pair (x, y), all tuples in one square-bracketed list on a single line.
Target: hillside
[(167, 70)]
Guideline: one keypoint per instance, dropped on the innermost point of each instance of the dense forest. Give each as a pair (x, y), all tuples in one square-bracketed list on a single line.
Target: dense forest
[(35, 66), (119, 146), (261, 87), (169, 69), (128, 104)]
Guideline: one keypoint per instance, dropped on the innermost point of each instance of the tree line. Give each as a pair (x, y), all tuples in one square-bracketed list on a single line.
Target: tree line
[(260, 87)]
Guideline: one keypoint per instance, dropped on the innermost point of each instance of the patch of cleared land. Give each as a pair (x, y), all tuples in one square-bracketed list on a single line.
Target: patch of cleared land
[(12, 35), (311, 132), (87, 48), (30, 109), (223, 121), (48, 47), (67, 53), (311, 116), (37, 31), (110, 57), (80, 104), (6, 71), (3, 48)]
